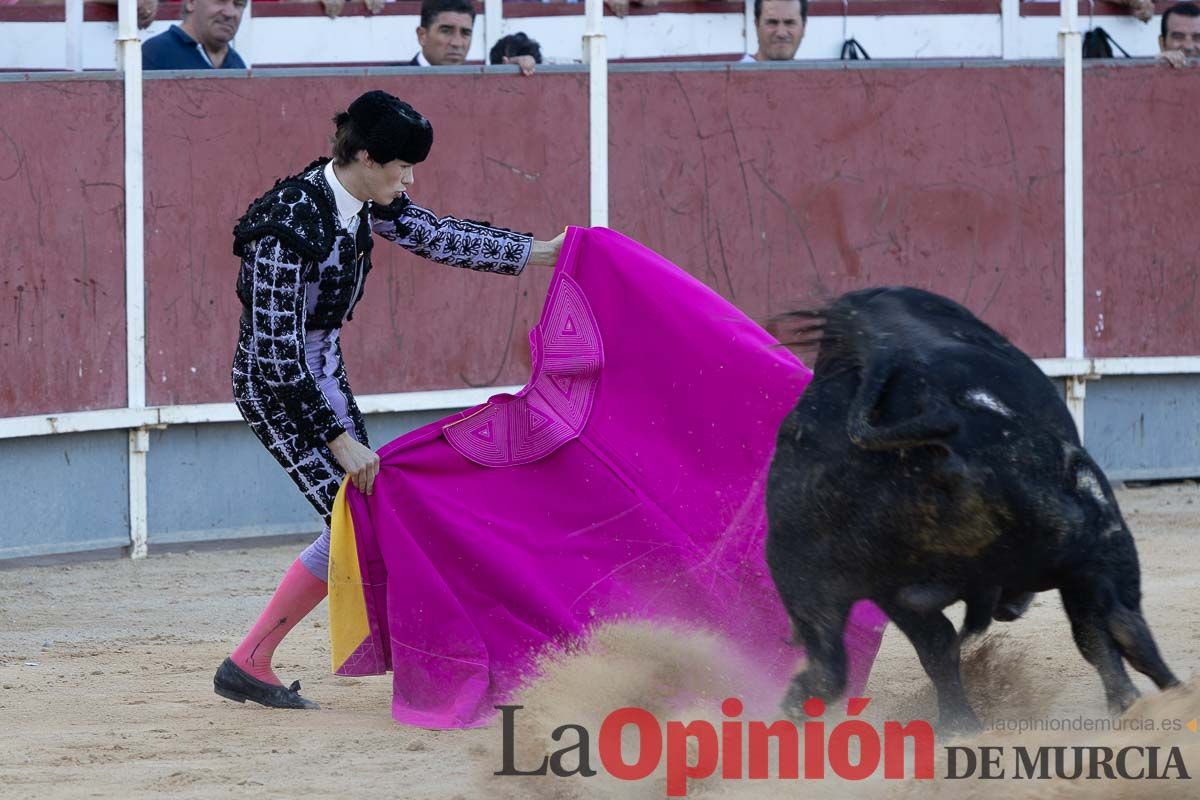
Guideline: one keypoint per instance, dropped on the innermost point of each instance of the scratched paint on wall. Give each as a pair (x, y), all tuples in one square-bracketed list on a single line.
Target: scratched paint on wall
[(62, 304), (777, 188), (508, 150), (783, 189), (1141, 240)]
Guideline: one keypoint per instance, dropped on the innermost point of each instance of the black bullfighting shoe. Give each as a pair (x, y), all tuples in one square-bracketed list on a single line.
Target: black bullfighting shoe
[(232, 683)]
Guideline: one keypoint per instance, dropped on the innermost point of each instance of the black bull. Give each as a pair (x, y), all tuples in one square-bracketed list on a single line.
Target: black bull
[(930, 461)]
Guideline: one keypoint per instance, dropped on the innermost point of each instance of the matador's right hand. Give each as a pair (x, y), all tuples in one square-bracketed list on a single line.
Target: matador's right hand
[(360, 462)]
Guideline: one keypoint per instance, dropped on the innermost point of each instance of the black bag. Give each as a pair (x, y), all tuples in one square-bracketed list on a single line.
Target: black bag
[(853, 51), (1098, 44)]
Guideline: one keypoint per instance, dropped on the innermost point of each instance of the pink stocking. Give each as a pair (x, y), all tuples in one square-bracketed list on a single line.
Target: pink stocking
[(299, 593)]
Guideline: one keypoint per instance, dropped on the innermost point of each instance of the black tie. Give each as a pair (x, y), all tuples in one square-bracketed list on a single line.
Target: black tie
[(362, 237), (362, 246)]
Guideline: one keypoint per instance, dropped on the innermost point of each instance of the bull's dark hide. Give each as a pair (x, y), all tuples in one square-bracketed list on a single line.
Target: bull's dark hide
[(930, 461)]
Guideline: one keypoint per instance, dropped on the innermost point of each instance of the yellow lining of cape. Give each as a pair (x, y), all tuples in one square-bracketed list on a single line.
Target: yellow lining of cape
[(348, 626)]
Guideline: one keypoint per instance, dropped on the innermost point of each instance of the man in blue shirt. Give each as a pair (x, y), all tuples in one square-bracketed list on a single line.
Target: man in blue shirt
[(201, 40)]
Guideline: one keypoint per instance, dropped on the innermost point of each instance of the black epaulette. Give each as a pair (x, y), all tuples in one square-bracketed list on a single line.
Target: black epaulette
[(296, 211)]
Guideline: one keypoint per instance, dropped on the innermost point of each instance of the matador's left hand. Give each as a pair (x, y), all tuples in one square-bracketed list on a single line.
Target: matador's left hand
[(545, 254)]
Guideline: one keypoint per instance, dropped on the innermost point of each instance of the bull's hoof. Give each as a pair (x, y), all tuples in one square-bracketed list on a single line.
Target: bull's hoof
[(962, 723), (791, 711), (792, 707), (798, 694), (1118, 704)]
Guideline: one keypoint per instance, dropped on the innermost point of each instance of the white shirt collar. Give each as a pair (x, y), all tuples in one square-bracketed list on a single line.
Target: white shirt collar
[(348, 205), (421, 60)]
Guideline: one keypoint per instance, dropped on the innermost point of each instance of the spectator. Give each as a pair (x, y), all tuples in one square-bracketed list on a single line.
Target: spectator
[(519, 49), (780, 27), (444, 33), (146, 10), (620, 8), (1141, 9), (201, 40), (1180, 38), (334, 8)]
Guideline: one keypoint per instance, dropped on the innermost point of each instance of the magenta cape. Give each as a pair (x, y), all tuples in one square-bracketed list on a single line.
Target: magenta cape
[(625, 480)]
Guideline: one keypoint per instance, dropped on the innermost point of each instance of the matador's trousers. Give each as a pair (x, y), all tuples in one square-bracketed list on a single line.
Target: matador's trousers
[(308, 462)]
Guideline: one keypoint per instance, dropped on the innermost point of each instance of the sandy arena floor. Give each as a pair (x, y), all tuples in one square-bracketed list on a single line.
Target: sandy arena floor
[(106, 669)]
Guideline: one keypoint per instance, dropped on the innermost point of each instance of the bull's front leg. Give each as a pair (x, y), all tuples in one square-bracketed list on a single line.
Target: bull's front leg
[(820, 631)]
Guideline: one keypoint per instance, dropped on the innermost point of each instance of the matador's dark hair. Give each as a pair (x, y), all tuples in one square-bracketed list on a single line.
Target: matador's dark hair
[(385, 126)]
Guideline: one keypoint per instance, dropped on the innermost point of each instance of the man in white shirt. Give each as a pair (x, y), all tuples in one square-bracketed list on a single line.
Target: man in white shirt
[(780, 28)]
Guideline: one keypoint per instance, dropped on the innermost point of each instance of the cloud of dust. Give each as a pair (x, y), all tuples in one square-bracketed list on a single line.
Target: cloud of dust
[(672, 672), (1000, 678), (684, 674)]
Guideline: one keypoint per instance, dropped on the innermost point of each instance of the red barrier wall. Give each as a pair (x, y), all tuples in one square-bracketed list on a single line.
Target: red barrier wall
[(1142, 195), (777, 188), (782, 189), (506, 149), (62, 273)]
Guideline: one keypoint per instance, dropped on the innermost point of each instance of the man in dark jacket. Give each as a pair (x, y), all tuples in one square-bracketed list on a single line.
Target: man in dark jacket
[(444, 33)]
